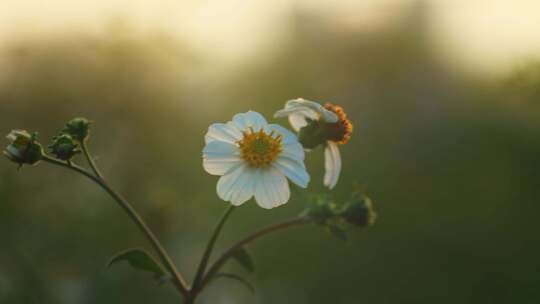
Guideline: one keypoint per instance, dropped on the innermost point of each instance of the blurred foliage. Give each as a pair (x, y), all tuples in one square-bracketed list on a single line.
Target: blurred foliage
[(450, 161)]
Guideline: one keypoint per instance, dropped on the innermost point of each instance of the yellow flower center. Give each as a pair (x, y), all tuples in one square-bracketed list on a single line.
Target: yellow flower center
[(259, 149)]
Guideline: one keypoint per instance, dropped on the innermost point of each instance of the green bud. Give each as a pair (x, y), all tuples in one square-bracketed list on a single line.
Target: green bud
[(321, 209), (64, 147), (313, 134), (23, 149), (359, 211), (78, 128)]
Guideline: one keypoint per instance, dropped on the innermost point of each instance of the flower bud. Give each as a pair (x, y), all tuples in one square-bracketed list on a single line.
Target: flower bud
[(23, 149), (321, 209), (359, 211), (78, 128), (64, 147)]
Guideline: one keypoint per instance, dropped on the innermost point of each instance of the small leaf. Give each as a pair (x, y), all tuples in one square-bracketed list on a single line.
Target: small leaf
[(139, 259), (236, 278), (337, 232), (243, 257)]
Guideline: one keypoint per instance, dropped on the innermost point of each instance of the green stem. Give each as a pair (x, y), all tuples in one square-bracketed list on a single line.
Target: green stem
[(90, 160), (241, 243), (179, 281), (210, 247)]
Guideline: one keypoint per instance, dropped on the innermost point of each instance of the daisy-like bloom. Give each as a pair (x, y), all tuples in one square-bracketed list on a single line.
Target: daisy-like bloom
[(254, 159), (320, 124)]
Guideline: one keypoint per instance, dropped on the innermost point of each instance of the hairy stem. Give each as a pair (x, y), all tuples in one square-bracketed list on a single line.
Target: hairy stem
[(179, 281), (210, 247), (241, 243)]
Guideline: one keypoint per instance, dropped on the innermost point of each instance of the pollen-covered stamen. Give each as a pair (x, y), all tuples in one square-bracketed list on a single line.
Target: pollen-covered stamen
[(259, 149), (339, 132)]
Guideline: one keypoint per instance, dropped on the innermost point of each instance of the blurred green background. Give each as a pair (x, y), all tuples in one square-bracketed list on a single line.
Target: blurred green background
[(447, 146)]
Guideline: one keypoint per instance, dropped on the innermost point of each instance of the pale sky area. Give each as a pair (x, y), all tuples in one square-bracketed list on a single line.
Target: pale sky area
[(481, 35)]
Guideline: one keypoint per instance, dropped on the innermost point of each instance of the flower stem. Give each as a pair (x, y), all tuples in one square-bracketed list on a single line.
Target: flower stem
[(210, 246), (299, 221), (90, 159), (179, 281)]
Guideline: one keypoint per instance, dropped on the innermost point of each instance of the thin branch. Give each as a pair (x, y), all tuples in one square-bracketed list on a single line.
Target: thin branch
[(210, 246), (179, 281), (90, 160), (241, 243)]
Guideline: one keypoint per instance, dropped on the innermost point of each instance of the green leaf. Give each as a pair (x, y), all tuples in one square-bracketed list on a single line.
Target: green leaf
[(243, 257), (139, 259), (337, 232), (236, 278)]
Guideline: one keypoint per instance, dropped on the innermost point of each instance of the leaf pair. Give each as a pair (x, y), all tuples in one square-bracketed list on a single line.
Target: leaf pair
[(141, 260)]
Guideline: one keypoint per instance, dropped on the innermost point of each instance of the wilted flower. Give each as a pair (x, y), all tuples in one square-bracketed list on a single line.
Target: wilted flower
[(254, 158), (23, 149), (78, 128), (316, 125), (64, 147)]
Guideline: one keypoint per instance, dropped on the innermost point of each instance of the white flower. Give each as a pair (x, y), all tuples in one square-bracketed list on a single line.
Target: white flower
[(254, 158), (329, 123)]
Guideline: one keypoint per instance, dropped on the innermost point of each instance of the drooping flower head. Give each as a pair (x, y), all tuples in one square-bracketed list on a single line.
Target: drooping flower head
[(23, 148), (254, 159), (341, 131), (320, 125)]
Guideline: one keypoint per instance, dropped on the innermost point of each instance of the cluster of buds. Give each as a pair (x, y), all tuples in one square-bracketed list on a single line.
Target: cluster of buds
[(64, 147), (67, 143), (25, 150), (357, 211), (78, 128)]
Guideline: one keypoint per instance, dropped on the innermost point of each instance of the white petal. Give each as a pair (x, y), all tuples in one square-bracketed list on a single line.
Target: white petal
[(294, 170), (250, 119), (287, 136), (245, 188), (223, 132), (297, 121), (237, 186), (294, 151), (291, 147), (328, 116), (316, 107), (332, 164), (298, 110), (13, 151), (325, 114), (219, 157), (271, 189)]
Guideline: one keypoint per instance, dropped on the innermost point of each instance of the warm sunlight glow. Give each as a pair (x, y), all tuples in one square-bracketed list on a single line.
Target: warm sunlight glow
[(478, 35), (487, 35)]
